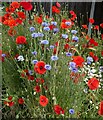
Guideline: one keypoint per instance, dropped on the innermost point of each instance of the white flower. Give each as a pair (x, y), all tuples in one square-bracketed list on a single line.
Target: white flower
[(93, 70), (20, 58)]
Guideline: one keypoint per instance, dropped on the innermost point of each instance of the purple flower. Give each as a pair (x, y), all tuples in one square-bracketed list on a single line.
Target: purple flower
[(3, 55), (34, 53), (45, 42), (30, 72), (72, 67), (51, 46), (54, 23), (56, 30), (32, 29), (40, 34), (46, 28), (71, 111), (74, 32), (101, 69), (72, 64), (45, 24), (34, 61), (34, 35), (68, 54), (89, 60), (75, 70), (75, 38), (68, 23), (54, 58), (64, 36), (47, 67)]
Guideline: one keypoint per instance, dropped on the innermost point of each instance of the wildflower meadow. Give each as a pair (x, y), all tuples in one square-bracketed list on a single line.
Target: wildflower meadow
[(51, 66)]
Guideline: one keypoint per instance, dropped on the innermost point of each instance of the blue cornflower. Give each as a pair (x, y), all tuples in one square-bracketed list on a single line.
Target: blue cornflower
[(101, 69), (34, 35), (68, 54), (3, 55), (56, 30), (34, 61), (72, 67), (51, 46), (72, 64), (45, 42), (64, 36), (34, 53), (32, 29), (75, 38), (89, 60), (74, 32), (54, 23), (47, 67), (75, 70), (54, 58), (45, 24), (46, 28), (68, 23), (30, 72), (40, 34), (71, 111)]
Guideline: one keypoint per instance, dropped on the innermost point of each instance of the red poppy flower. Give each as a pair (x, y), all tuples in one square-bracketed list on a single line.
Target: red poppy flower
[(15, 4), (25, 73), (21, 15), (72, 12), (26, 5), (96, 27), (66, 46), (37, 88), (91, 20), (18, 21), (55, 51), (38, 19), (56, 43), (58, 5), (10, 98), (40, 67), (51, 27), (78, 60), (10, 103), (43, 100), (21, 40), (102, 52), (91, 54), (11, 23), (101, 25), (95, 58), (85, 26), (11, 32), (21, 101), (55, 10), (45, 87), (10, 9), (40, 80), (74, 17), (100, 111), (92, 42), (102, 36), (93, 83), (58, 110), (30, 77)]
